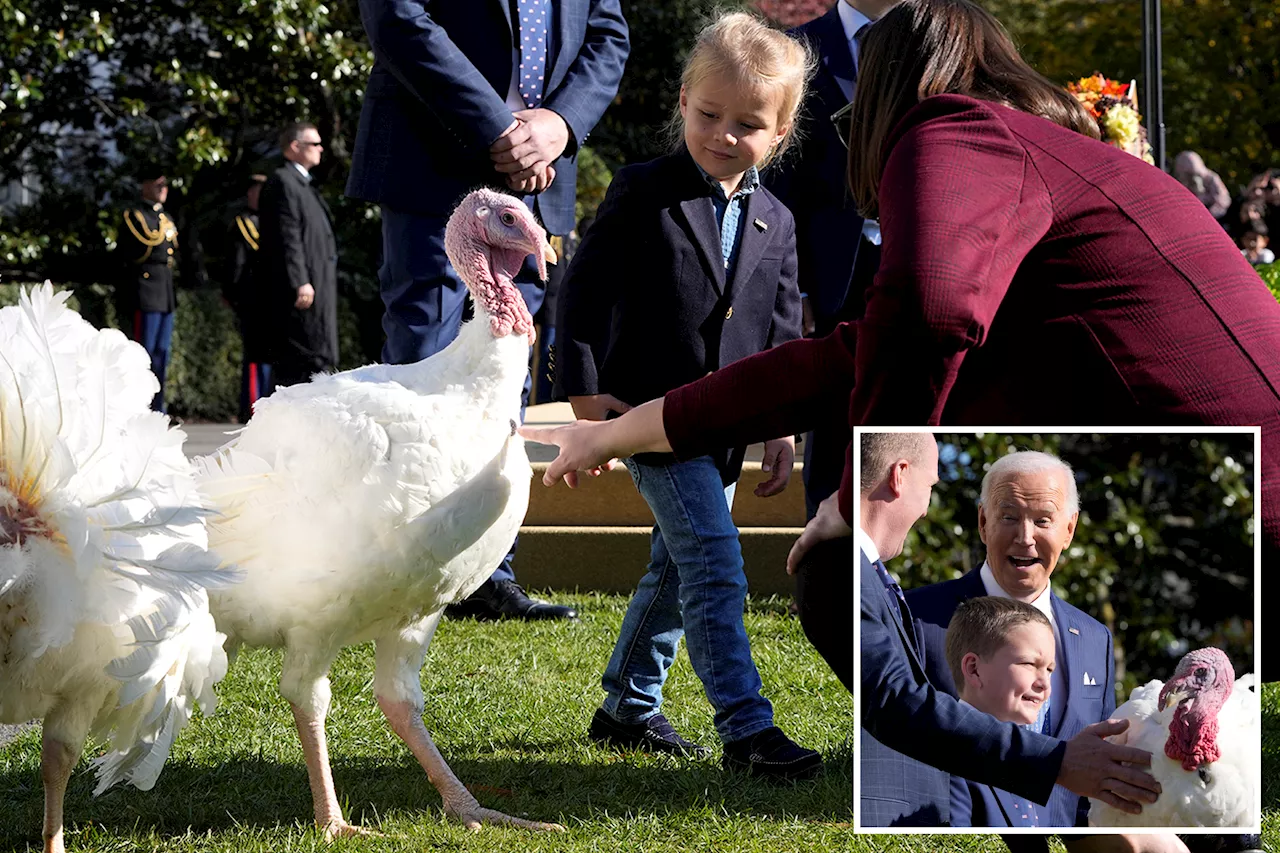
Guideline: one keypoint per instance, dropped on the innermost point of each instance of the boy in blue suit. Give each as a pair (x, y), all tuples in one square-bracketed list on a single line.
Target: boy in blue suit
[(1000, 652), (486, 92)]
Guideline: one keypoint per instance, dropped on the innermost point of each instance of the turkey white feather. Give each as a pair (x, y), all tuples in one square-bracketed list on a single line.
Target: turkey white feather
[(1202, 730), (104, 619), (361, 503)]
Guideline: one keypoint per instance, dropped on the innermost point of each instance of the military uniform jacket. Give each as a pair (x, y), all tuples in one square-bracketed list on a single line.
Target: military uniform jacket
[(147, 244), (298, 247), (241, 289)]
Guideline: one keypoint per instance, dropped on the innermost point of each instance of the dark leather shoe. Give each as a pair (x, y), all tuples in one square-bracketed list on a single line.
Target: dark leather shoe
[(506, 599), (653, 735), (770, 754)]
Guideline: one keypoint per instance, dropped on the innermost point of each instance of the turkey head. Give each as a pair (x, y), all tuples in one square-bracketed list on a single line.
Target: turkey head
[(487, 239), (1200, 686)]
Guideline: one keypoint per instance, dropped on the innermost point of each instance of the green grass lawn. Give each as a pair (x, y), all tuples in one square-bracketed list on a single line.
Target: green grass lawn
[(508, 705)]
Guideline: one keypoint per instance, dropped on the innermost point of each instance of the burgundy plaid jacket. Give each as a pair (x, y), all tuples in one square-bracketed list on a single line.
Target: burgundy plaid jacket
[(1029, 276)]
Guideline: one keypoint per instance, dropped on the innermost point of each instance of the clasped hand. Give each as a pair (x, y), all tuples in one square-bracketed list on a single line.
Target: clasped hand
[(524, 152)]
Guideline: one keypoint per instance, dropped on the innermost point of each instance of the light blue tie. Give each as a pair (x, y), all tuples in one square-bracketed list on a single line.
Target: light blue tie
[(535, 16)]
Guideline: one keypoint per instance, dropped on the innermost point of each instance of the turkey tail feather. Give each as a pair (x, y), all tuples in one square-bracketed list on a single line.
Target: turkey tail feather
[(102, 527)]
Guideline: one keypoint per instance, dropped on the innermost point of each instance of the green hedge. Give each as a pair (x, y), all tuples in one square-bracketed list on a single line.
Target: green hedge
[(1271, 275)]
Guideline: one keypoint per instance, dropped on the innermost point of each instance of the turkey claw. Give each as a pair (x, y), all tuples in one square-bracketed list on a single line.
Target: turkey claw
[(475, 819), (341, 829)]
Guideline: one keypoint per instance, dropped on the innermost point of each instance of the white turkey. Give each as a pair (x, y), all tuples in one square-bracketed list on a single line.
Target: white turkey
[(361, 503), (104, 620), (1202, 730)]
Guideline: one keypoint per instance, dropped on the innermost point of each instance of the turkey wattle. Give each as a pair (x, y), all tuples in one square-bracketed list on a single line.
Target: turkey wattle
[(361, 503), (104, 619), (1202, 729)]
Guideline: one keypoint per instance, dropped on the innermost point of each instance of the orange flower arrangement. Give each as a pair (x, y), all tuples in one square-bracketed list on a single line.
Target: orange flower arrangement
[(1090, 90), (1114, 106)]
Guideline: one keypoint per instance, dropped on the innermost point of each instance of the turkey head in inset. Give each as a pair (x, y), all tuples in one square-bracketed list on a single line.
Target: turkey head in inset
[(1202, 728)]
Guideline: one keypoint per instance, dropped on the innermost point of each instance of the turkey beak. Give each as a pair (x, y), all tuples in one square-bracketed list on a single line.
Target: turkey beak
[(539, 245), (1174, 693), (548, 257)]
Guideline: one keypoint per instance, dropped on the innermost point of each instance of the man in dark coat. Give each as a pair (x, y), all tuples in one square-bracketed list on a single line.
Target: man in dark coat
[(242, 294), (146, 243), (297, 270)]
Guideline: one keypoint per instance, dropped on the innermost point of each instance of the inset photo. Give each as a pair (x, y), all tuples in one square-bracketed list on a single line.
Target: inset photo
[(1058, 631)]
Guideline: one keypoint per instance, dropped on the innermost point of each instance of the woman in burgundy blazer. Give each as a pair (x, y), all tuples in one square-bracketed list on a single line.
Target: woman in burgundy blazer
[(1030, 275)]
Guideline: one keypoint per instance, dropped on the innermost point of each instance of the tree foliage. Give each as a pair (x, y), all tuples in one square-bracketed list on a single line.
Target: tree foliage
[(1221, 64), (1163, 552)]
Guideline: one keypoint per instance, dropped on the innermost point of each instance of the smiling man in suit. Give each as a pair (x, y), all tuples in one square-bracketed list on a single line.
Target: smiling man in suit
[(465, 94), (1027, 516)]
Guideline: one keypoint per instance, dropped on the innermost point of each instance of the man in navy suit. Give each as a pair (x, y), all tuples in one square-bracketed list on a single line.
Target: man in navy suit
[(914, 735), (839, 251), (1027, 517), (486, 92)]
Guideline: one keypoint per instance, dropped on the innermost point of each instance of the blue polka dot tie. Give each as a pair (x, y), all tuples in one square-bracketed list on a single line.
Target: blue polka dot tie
[(535, 16)]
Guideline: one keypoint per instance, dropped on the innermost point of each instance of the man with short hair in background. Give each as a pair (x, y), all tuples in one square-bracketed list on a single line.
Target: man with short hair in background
[(297, 270)]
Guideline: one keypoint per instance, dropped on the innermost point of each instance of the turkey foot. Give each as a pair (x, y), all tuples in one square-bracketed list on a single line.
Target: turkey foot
[(315, 750), (406, 721), (472, 815), (339, 828)]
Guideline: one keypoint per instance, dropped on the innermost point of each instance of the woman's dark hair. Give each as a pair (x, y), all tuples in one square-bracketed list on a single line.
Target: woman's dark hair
[(934, 47)]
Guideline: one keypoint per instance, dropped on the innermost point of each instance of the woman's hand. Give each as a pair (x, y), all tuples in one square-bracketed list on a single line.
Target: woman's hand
[(828, 523), (595, 446), (583, 448), (779, 457)]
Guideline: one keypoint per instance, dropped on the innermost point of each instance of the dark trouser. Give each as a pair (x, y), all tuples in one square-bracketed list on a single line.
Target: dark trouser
[(255, 382), (424, 300), (824, 594), (154, 330)]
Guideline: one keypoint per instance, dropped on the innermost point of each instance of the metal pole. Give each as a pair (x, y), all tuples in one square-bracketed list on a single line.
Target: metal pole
[(1158, 145), (1153, 79)]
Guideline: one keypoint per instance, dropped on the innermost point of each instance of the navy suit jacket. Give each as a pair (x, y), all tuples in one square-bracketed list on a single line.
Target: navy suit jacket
[(645, 305), (436, 98), (813, 183), (1087, 648), (914, 735), (974, 804)]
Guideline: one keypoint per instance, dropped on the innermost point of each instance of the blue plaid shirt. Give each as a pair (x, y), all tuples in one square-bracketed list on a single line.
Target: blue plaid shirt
[(729, 213)]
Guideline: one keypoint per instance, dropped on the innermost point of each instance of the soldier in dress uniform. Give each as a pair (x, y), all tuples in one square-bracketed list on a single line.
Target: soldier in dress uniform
[(245, 298), (148, 243)]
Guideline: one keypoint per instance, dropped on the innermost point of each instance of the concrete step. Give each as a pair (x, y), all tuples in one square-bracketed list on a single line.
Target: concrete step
[(614, 558), (612, 500)]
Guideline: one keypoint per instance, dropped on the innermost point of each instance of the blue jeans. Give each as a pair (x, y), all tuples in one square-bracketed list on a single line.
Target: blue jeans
[(696, 588), (154, 330), (424, 300)]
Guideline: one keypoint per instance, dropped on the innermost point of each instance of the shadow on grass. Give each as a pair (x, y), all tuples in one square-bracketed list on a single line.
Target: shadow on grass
[(248, 792)]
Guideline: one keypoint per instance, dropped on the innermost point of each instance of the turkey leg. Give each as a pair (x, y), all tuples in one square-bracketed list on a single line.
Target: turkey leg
[(57, 760), (399, 692), (315, 748)]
